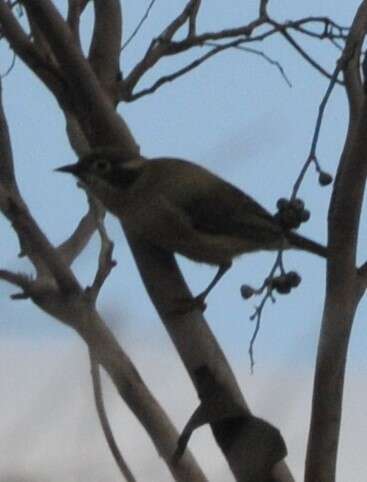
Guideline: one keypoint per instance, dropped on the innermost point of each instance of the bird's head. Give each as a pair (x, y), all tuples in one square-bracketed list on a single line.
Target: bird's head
[(106, 172)]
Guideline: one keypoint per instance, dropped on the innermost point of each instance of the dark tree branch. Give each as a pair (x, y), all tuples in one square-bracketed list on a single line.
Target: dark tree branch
[(192, 65), (17, 279), (71, 248), (105, 261), (104, 53), (193, 17), (189, 11), (343, 288), (90, 102), (165, 46), (67, 302), (263, 8), (37, 245), (75, 10), (307, 57), (28, 52)]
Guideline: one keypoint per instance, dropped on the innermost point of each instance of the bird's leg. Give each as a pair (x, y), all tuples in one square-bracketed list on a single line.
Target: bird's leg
[(185, 305), (223, 268)]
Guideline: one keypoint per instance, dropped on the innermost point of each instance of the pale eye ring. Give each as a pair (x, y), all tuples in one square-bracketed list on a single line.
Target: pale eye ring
[(101, 165)]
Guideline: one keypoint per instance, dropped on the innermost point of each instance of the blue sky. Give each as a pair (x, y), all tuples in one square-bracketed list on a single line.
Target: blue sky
[(234, 115)]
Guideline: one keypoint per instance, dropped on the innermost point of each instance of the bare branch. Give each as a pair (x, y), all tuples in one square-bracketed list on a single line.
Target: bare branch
[(352, 73), (18, 279), (39, 41), (28, 52), (330, 29), (343, 287), (169, 78), (192, 18), (105, 261), (76, 135), (90, 102), (33, 241), (268, 288), (189, 10), (264, 56), (104, 52), (164, 46), (312, 158), (74, 245), (263, 8), (307, 57), (138, 27), (7, 177), (75, 10), (106, 427), (37, 245)]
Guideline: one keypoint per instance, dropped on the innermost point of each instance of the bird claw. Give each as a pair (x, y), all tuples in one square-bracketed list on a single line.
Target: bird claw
[(186, 305)]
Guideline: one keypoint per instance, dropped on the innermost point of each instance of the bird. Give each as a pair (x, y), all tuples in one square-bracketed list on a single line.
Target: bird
[(183, 208)]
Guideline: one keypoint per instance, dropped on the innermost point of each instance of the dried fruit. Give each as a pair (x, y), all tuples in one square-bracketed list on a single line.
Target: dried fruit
[(247, 291), (325, 178)]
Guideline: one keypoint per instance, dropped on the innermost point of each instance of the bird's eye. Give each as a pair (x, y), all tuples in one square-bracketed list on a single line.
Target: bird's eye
[(101, 165)]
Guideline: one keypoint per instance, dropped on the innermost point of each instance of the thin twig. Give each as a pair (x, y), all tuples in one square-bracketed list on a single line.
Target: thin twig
[(267, 287), (312, 155), (106, 427), (170, 77), (138, 27), (163, 46), (261, 54), (307, 57)]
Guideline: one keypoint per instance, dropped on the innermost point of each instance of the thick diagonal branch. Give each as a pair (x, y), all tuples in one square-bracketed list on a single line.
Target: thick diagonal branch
[(104, 53), (90, 102), (343, 284)]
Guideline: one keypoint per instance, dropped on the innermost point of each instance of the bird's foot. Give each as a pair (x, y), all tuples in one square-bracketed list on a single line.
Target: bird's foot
[(187, 305)]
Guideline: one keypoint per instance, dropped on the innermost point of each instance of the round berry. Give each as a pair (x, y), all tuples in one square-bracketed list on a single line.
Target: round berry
[(297, 204), (293, 278), (325, 178), (247, 291), (305, 215), (282, 203)]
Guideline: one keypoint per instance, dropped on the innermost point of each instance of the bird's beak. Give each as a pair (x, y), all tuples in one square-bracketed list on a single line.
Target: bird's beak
[(70, 168)]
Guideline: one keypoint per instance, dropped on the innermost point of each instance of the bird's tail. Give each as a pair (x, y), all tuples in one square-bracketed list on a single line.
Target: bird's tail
[(306, 244)]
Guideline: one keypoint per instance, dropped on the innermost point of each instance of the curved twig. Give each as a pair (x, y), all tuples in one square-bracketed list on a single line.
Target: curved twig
[(106, 427)]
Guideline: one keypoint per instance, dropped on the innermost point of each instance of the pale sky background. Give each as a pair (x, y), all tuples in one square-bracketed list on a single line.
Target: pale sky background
[(236, 116)]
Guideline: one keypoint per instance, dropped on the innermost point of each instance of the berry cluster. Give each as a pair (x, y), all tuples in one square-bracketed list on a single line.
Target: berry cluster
[(291, 213), (282, 284)]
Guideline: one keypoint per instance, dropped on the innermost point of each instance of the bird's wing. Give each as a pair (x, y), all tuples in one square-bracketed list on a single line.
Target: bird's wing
[(212, 205), (226, 210)]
